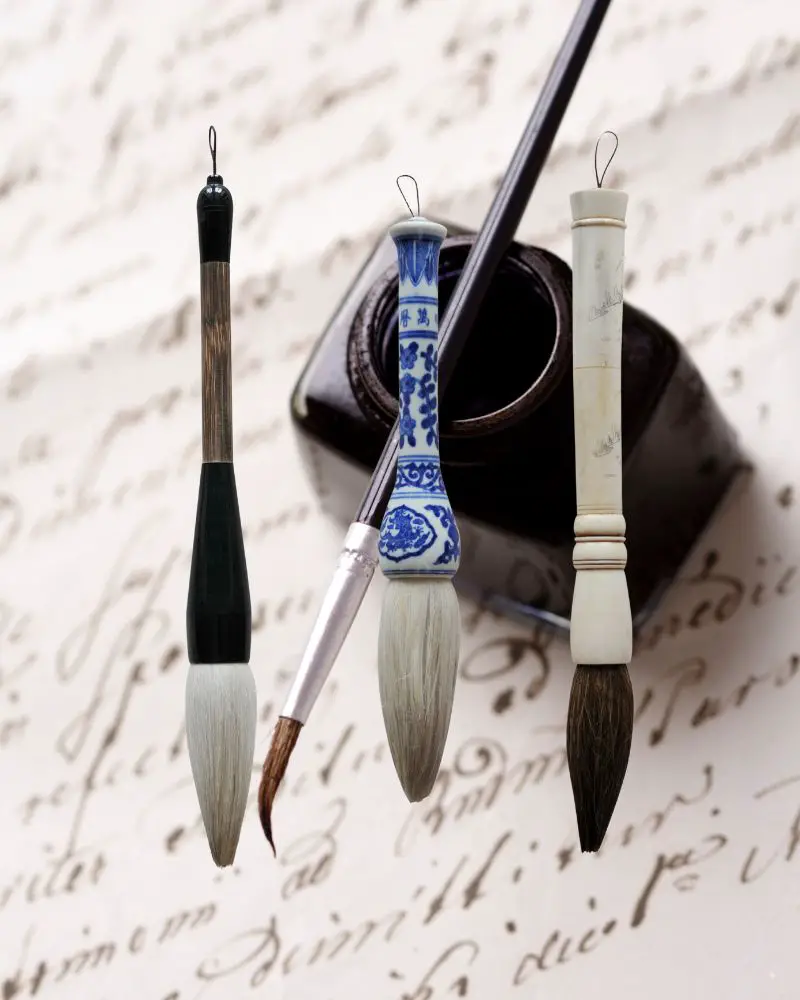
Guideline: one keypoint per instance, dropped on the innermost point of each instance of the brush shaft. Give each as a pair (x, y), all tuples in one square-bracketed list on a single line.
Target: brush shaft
[(218, 614), (217, 389), (419, 535), (499, 227), (598, 250), (601, 630)]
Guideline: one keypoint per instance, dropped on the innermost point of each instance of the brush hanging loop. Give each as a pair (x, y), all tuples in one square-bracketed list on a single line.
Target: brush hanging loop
[(598, 176), (403, 196), (212, 145)]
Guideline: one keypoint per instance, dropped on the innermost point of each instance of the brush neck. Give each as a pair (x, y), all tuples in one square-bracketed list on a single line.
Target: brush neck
[(419, 536)]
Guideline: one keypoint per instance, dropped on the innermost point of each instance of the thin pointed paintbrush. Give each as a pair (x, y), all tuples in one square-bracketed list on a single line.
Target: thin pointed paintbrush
[(220, 690), (600, 716), (359, 557)]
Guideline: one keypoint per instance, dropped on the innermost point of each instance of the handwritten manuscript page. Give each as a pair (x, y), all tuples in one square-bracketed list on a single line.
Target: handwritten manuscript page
[(107, 890)]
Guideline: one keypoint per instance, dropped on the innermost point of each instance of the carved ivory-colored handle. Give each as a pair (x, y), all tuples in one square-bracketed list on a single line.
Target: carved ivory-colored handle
[(601, 630)]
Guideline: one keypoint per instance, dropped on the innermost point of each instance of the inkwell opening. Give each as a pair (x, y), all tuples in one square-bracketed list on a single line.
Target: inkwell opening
[(517, 352)]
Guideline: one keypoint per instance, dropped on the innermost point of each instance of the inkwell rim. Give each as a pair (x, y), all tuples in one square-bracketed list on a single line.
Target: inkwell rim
[(551, 277)]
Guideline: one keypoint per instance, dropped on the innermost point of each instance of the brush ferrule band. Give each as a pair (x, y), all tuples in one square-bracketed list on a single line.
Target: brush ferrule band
[(599, 222), (217, 388), (354, 571), (588, 525), (599, 553)]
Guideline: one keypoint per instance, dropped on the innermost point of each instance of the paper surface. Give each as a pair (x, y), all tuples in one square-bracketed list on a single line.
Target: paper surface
[(107, 890)]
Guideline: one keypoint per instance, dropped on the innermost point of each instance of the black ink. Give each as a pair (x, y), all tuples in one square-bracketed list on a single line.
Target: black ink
[(787, 851), (666, 865), (426, 990), (312, 856), (473, 890)]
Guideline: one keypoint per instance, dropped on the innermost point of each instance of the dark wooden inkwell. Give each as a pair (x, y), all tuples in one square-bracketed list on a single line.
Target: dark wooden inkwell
[(507, 440)]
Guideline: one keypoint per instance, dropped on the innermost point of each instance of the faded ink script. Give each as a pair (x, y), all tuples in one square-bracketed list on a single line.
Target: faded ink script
[(107, 889)]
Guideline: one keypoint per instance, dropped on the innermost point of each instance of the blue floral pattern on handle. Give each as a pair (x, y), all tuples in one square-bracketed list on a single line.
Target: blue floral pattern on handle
[(419, 535)]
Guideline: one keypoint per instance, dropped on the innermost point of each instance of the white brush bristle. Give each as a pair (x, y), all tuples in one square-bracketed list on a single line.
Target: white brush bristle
[(221, 712), (418, 648)]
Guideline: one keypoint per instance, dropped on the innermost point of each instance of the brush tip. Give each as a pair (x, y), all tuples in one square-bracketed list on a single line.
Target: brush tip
[(418, 648), (221, 711), (284, 740), (265, 813), (599, 732)]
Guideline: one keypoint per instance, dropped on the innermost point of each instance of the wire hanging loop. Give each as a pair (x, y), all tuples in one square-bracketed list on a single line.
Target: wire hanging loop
[(212, 145), (598, 176), (402, 193)]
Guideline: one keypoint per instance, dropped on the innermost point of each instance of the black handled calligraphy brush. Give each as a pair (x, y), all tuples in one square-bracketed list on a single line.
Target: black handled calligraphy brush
[(220, 689), (359, 555), (600, 717)]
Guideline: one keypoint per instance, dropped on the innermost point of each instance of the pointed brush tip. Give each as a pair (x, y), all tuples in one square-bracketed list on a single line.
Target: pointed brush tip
[(593, 815), (418, 652), (222, 860), (221, 714), (415, 790), (265, 815), (592, 831), (599, 730), (591, 841), (284, 740), (223, 845)]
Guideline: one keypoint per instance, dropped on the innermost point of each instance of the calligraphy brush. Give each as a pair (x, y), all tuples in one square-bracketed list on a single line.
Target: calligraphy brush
[(359, 555), (419, 543), (600, 715), (220, 689)]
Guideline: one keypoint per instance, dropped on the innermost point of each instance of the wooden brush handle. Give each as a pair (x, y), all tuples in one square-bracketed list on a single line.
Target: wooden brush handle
[(418, 535), (601, 630), (215, 322)]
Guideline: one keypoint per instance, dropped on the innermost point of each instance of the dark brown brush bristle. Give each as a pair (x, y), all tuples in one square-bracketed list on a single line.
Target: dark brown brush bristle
[(284, 739), (599, 732)]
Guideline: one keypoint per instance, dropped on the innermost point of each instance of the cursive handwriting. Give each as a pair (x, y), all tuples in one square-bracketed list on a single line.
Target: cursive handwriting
[(106, 884), (716, 596), (146, 940)]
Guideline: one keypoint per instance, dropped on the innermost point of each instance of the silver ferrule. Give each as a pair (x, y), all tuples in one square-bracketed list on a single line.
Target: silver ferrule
[(354, 571)]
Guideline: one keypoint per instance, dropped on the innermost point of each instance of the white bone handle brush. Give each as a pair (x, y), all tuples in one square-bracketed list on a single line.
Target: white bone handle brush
[(221, 704), (419, 546), (600, 718)]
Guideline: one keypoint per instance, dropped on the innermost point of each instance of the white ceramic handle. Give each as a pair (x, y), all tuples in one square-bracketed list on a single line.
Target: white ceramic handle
[(601, 630)]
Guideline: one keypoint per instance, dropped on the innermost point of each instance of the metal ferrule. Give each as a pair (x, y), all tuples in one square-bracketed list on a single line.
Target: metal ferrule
[(352, 577)]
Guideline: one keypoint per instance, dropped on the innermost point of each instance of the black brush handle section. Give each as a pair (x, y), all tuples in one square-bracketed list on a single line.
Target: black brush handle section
[(499, 227), (218, 615), (215, 221)]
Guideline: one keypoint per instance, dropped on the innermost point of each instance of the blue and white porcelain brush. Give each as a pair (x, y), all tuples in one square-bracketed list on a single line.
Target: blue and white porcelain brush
[(418, 546)]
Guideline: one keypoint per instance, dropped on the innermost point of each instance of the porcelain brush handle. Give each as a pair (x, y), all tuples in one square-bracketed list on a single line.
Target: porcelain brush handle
[(601, 630), (418, 535)]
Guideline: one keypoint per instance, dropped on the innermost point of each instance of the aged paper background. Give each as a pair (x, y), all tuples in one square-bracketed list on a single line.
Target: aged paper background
[(107, 891)]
